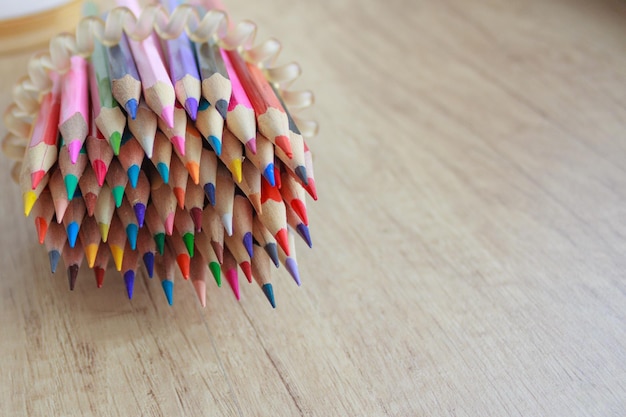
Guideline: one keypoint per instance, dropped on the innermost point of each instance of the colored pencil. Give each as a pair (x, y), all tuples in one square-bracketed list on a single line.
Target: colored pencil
[(156, 227), (100, 155), (147, 249), (199, 272), (74, 117), (166, 271), (72, 258), (43, 212), (204, 246), (176, 133), (229, 268), (240, 117), (216, 86), (178, 180), (165, 203), (138, 197), (211, 125), (90, 238), (193, 153), (251, 184), (130, 262), (262, 274), (208, 174), (289, 261), (131, 158), (270, 115), (232, 154), (101, 263), (117, 179), (298, 225), (294, 196), (72, 171), (236, 247), (162, 156), (242, 221), (194, 203), (185, 227), (144, 127), (41, 153), (129, 222), (117, 242), (273, 215), (225, 194), (266, 240), (183, 69), (263, 160), (212, 226), (30, 195), (308, 162), (59, 195), (90, 189), (108, 115), (73, 219), (55, 242), (125, 80), (296, 163), (179, 250), (105, 208)]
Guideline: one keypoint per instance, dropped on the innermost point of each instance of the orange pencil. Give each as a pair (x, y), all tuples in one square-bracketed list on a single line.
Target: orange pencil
[(176, 133), (178, 180), (43, 211), (265, 239), (117, 179), (271, 118), (59, 195), (55, 242), (203, 246), (100, 155), (144, 127), (90, 189), (208, 174), (176, 244), (117, 242), (162, 156), (185, 227), (263, 160), (225, 193), (129, 222), (229, 268), (138, 197), (156, 227), (193, 152), (90, 238), (273, 215), (101, 263), (72, 258), (261, 272), (131, 157), (74, 113), (105, 208), (129, 269), (199, 273), (232, 154), (212, 226), (72, 171), (41, 153), (73, 219), (164, 202)]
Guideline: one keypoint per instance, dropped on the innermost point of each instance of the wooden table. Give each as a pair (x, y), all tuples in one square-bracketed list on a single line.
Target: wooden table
[(469, 241)]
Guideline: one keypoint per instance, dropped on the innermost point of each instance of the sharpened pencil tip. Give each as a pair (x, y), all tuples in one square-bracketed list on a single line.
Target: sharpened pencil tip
[(194, 171), (133, 175), (167, 114), (216, 144), (247, 270), (101, 171), (159, 239), (301, 173), (188, 238), (284, 143), (268, 174), (131, 233), (118, 195), (196, 217), (168, 289), (292, 268), (200, 287), (216, 270), (91, 251), (164, 172), (118, 256), (227, 221), (115, 140), (129, 282), (54, 256), (251, 144), (72, 233), (300, 209), (99, 273), (282, 238), (272, 251), (36, 177), (72, 273), (235, 169), (247, 243), (191, 105), (233, 281), (131, 108), (209, 190), (140, 213), (179, 144), (29, 201), (148, 261), (179, 193), (169, 224), (42, 228), (222, 108), (269, 293), (219, 251), (71, 182), (73, 148), (104, 231), (304, 233), (184, 263)]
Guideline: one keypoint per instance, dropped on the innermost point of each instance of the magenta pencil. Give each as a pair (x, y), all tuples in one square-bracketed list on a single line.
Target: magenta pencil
[(74, 120)]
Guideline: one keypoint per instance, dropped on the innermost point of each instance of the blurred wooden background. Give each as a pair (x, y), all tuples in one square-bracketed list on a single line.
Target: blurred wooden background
[(469, 242)]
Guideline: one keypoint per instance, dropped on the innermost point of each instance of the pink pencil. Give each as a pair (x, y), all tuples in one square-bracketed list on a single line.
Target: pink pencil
[(73, 122), (240, 117), (155, 81)]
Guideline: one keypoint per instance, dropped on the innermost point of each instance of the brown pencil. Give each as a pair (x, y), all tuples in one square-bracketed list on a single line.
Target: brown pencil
[(90, 189), (72, 258), (101, 263), (212, 226)]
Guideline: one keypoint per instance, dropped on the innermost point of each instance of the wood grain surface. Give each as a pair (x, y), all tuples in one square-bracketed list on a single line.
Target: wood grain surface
[(469, 239)]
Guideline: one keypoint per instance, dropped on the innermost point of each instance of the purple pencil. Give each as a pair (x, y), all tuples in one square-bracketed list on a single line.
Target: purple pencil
[(183, 69)]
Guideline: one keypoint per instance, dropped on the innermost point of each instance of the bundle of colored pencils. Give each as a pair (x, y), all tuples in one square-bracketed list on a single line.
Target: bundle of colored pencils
[(171, 154)]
